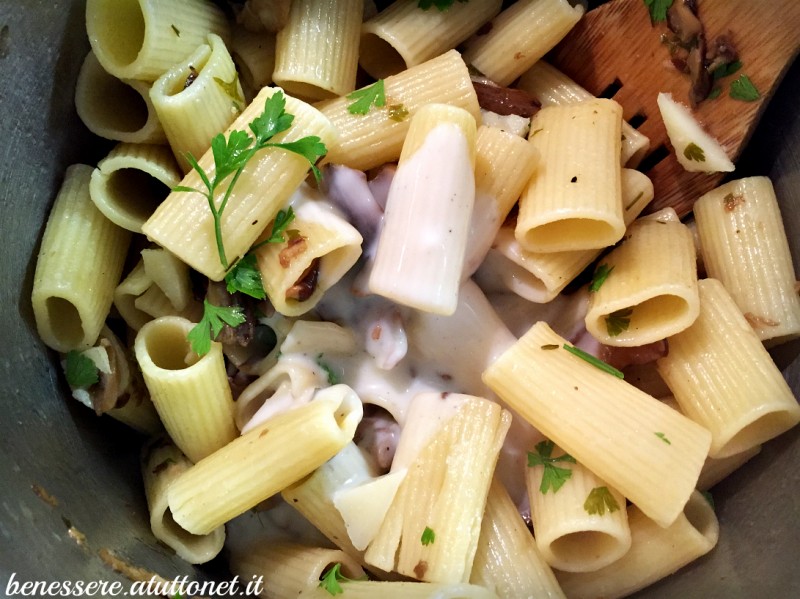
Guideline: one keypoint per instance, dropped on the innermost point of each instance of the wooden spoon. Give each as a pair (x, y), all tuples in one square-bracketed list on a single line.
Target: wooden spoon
[(615, 47)]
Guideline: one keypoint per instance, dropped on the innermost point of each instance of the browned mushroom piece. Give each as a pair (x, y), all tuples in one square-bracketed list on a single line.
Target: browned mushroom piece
[(305, 286), (217, 294), (112, 386), (682, 20), (264, 15), (721, 51), (504, 100), (377, 434), (621, 357)]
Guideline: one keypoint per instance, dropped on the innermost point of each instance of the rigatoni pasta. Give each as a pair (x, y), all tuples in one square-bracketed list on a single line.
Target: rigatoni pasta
[(316, 52), (404, 35), (744, 246), (427, 215), (574, 200), (79, 264), (724, 379)]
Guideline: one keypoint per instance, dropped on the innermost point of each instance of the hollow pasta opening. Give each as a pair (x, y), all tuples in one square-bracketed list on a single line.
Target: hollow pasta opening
[(558, 233), (135, 192), (379, 58), (167, 346), (119, 29), (586, 550), (65, 321)]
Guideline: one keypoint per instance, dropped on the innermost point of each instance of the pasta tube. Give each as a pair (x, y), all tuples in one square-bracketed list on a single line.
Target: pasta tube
[(141, 39), (316, 52), (744, 246), (129, 184), (422, 245), (432, 528), (574, 201), (183, 223), (655, 454), (191, 393), (79, 264), (581, 526), (649, 293), (520, 36), (540, 277), (403, 35), (724, 379), (507, 559), (115, 109), (551, 87), (656, 552), (198, 98), (320, 249), (372, 139), (162, 464), (265, 460)]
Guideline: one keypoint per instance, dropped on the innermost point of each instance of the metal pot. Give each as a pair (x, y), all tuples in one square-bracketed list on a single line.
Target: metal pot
[(61, 466)]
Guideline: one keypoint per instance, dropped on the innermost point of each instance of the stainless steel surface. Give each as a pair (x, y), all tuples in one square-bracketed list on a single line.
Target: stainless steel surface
[(90, 465)]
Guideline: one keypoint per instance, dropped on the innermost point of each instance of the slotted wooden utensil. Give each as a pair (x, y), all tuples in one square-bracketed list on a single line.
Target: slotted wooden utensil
[(615, 47)]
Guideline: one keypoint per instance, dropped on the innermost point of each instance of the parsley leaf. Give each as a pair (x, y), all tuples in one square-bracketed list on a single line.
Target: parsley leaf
[(333, 379), (596, 362), (694, 152), (246, 277), (618, 321), (600, 275), (332, 577), (442, 5), (366, 98), (658, 9), (81, 372), (715, 93), (663, 437), (726, 69), (428, 536), (232, 154), (600, 499), (209, 327), (553, 476), (744, 90)]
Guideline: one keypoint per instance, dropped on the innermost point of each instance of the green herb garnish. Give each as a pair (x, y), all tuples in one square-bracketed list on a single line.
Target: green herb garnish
[(442, 5), (715, 93), (618, 321), (81, 372), (549, 346), (428, 536), (246, 277), (596, 362), (397, 112), (333, 379), (694, 152), (599, 500), (553, 476), (600, 275), (658, 9), (231, 154), (332, 577), (709, 498), (367, 97), (176, 30), (663, 437), (744, 90), (209, 327), (726, 70)]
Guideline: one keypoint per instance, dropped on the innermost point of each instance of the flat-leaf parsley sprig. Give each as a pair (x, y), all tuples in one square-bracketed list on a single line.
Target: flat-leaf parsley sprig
[(209, 327), (332, 578), (232, 154)]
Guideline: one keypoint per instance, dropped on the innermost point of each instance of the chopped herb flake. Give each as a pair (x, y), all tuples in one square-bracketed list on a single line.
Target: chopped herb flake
[(694, 152), (367, 97), (596, 362), (599, 500), (658, 9), (231, 89), (727, 69), (744, 90), (209, 327), (81, 372), (715, 93), (428, 536), (333, 378), (176, 30), (663, 437), (550, 346), (618, 321), (553, 476), (634, 200), (709, 498), (600, 275), (332, 577)]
